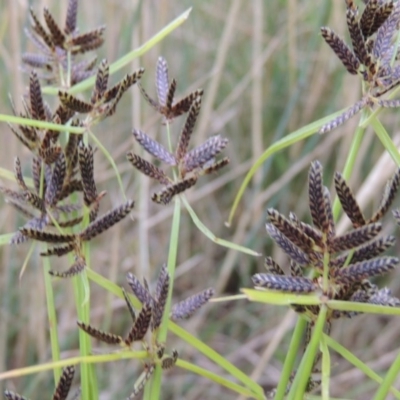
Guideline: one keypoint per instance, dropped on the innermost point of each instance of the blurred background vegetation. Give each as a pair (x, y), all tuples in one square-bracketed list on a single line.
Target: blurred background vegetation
[(266, 71)]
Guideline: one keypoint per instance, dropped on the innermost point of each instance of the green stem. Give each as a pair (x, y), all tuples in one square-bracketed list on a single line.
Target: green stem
[(305, 368), (290, 359), (152, 390), (52, 316), (388, 380), (12, 119)]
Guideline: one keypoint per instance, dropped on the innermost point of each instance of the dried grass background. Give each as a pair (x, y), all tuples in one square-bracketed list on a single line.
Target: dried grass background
[(266, 71)]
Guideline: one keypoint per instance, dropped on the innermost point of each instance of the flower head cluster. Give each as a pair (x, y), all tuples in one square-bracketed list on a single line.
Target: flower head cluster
[(59, 46), (150, 319), (352, 258), (372, 54), (189, 164)]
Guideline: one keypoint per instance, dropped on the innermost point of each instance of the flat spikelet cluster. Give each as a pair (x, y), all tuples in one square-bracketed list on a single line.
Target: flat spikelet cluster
[(103, 101), (58, 172), (149, 319), (62, 389), (372, 54), (58, 46), (352, 258), (188, 164)]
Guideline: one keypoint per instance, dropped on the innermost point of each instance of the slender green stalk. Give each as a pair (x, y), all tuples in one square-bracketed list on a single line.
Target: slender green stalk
[(211, 236), (219, 379), (111, 161), (290, 359), (292, 138), (386, 140), (351, 358), (326, 368), (91, 359), (40, 124), (306, 365), (388, 380), (52, 316), (152, 390)]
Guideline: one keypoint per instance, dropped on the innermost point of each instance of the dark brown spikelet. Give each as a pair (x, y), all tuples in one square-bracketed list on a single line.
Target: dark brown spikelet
[(389, 103), (384, 297), (170, 94), (295, 269), (162, 81), (106, 221), (76, 268), (138, 289), (389, 13), (166, 194), (120, 88), (356, 36), (367, 252), (329, 213), (56, 33), (50, 153), (183, 106), (54, 189), (291, 231), (36, 99), (341, 119), (59, 250), (48, 237), (142, 383), (272, 267), (160, 298), (40, 31), (74, 103), (18, 174), (154, 148), (87, 41), (70, 19), (130, 306), (366, 269), (186, 308), (367, 25), (169, 361), (141, 325), (184, 138), (390, 192), (147, 168), (86, 167), (64, 384), (101, 83), (348, 201), (36, 172), (204, 153), (70, 187), (316, 197), (288, 284), (13, 396), (214, 167), (105, 337), (354, 238), (346, 56), (287, 246)]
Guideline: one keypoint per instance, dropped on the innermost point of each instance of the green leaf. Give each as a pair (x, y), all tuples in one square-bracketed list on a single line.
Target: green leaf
[(280, 298), (212, 237), (291, 138)]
